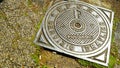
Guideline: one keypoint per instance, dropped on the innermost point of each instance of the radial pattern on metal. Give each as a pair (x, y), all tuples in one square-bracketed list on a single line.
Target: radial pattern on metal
[(78, 29)]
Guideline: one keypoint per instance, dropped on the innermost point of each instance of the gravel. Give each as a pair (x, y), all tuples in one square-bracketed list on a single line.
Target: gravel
[(17, 29)]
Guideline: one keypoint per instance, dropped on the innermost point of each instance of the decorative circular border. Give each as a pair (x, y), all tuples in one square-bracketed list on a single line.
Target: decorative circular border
[(84, 4)]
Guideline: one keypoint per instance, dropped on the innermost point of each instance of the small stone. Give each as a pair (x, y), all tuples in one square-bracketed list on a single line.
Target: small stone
[(40, 57), (55, 66), (54, 52), (11, 58)]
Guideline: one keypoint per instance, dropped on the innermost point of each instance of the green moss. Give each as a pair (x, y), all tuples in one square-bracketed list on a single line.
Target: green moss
[(90, 64), (36, 55), (37, 27), (29, 2), (44, 66), (35, 58), (32, 6), (114, 50), (112, 61), (115, 22), (94, 65), (3, 15), (84, 62), (25, 14)]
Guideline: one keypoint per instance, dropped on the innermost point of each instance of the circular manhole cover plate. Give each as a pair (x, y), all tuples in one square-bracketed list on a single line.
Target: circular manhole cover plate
[(76, 28)]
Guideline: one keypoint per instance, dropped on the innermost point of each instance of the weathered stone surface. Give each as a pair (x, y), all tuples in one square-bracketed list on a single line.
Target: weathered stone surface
[(17, 27)]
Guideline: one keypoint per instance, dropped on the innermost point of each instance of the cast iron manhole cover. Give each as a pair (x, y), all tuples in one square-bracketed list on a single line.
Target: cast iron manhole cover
[(78, 29)]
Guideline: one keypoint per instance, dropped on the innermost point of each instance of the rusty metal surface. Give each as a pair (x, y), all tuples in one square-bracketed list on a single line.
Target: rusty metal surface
[(78, 29)]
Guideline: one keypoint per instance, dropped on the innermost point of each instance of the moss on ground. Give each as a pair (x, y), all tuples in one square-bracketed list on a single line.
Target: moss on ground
[(2, 15), (112, 62), (36, 55), (44, 66)]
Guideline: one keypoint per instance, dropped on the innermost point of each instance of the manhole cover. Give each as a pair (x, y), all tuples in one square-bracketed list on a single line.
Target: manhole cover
[(78, 29)]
